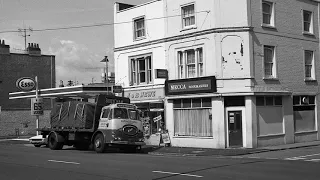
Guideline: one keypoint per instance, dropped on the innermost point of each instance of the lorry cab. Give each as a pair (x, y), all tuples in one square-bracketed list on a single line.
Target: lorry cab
[(119, 125)]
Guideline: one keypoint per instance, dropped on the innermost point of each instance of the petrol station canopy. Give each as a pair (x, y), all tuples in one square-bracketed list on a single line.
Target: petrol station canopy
[(81, 91)]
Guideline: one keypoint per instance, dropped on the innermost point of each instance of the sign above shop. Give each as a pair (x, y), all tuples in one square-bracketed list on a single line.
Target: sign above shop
[(191, 86), (145, 94), (161, 73), (117, 89)]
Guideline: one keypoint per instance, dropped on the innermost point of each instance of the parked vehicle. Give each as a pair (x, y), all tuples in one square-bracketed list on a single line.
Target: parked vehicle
[(110, 121), (38, 141)]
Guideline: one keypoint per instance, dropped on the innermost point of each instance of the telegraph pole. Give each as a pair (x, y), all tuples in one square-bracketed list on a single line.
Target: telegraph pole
[(24, 34), (106, 75)]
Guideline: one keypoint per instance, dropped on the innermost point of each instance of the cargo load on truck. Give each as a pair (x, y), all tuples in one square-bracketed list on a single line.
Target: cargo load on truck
[(72, 114)]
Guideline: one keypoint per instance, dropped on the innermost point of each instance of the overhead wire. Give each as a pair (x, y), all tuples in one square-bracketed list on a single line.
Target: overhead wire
[(93, 25)]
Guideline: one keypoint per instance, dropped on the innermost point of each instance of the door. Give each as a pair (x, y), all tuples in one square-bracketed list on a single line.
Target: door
[(235, 128)]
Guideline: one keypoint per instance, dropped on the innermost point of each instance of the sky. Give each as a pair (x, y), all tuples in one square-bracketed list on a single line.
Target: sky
[(78, 52)]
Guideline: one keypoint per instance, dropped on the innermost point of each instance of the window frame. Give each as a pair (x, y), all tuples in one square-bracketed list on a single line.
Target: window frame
[(182, 70), (311, 26), (135, 20), (312, 73), (274, 63), (274, 98), (183, 26), (272, 14), (134, 74)]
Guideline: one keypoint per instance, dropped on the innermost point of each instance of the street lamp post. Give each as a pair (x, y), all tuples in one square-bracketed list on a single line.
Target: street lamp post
[(105, 59)]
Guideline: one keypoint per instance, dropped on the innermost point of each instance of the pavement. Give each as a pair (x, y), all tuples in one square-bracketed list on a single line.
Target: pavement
[(188, 151)]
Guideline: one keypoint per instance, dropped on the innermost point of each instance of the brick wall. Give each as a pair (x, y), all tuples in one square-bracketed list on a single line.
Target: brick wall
[(10, 121)]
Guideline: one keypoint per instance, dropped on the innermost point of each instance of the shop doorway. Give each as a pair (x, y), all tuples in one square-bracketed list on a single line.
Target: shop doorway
[(234, 127)]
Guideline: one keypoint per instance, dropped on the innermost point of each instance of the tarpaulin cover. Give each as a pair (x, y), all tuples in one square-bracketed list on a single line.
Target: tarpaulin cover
[(72, 114)]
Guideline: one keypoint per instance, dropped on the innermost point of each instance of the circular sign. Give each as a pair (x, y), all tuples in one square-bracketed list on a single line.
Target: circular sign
[(26, 84)]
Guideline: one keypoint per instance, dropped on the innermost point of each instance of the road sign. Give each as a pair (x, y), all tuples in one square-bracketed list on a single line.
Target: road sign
[(36, 106), (26, 84)]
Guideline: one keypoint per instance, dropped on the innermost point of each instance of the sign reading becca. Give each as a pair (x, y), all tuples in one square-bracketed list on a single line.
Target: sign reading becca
[(192, 85), (147, 94)]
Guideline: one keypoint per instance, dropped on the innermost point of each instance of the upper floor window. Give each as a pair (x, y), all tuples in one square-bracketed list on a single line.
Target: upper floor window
[(190, 63), (309, 65), (269, 62), (307, 22), (267, 13), (141, 70), (188, 16), (139, 28)]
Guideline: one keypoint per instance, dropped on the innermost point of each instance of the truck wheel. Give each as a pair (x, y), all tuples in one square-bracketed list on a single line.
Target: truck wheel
[(53, 141), (98, 144)]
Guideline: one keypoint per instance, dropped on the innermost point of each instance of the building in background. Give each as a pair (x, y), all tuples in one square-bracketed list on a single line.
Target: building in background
[(139, 58), (241, 73), (15, 116)]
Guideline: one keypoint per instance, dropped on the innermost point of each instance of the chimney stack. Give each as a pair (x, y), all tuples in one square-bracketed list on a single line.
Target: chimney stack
[(4, 49), (33, 49)]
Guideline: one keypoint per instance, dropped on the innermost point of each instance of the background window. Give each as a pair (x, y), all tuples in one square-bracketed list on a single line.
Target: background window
[(269, 67), (139, 28), (141, 70), (307, 21), (267, 12), (188, 16), (190, 63), (308, 60)]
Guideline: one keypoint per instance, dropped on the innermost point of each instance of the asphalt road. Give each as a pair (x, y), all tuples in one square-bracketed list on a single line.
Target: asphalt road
[(24, 162)]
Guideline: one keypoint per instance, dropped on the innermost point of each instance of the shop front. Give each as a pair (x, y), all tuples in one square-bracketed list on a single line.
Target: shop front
[(150, 101), (190, 113)]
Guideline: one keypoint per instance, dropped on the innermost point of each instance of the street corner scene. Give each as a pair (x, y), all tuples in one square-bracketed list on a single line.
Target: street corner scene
[(160, 89)]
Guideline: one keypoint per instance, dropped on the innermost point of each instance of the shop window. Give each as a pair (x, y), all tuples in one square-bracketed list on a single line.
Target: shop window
[(269, 101), (304, 113), (192, 117), (192, 103)]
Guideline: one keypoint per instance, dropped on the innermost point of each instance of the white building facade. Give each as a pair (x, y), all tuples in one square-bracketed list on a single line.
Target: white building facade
[(241, 73)]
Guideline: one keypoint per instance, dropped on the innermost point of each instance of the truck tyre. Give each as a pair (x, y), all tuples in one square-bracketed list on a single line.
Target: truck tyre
[(53, 141), (98, 144)]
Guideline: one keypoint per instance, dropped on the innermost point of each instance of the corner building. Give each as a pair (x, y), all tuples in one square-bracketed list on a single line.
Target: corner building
[(241, 73)]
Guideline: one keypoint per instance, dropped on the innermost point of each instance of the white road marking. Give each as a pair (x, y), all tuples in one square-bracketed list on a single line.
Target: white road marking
[(313, 160), (310, 155), (63, 162), (181, 174), (294, 158)]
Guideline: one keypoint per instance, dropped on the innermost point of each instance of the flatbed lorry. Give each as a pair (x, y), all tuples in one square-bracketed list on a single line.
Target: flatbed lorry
[(110, 121)]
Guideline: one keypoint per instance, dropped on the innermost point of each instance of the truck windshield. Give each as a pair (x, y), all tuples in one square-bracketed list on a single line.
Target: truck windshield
[(120, 113), (133, 114)]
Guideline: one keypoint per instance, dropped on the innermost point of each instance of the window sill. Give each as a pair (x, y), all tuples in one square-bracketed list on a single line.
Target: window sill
[(310, 80), (306, 132), (196, 137), (139, 38), (270, 79), (308, 34), (271, 135), (188, 28), (268, 26)]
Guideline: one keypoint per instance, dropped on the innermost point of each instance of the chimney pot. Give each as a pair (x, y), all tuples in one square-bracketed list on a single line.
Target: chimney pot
[(3, 42), (28, 45), (37, 45)]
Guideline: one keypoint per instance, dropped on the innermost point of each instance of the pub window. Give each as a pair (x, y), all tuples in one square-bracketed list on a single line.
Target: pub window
[(304, 113), (269, 101)]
